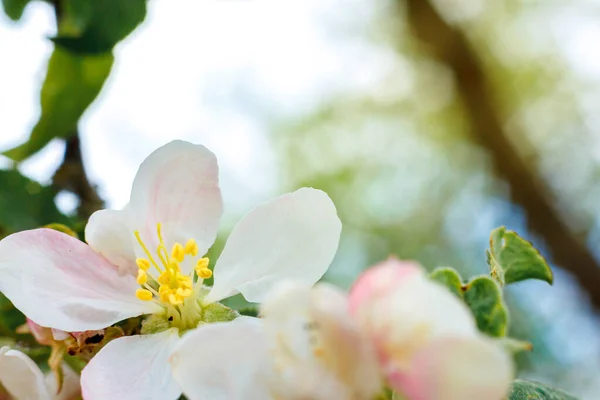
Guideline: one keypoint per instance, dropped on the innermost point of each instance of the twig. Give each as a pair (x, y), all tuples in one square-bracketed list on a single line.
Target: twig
[(71, 176), (450, 46)]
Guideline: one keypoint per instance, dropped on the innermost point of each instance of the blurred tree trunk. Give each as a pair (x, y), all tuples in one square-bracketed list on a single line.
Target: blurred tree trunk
[(451, 47), (71, 176)]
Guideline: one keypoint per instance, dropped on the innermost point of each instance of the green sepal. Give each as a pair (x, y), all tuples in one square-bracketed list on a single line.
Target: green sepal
[(217, 312), (155, 323)]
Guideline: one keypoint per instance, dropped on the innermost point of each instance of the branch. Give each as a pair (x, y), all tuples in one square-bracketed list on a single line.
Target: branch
[(71, 176), (450, 46)]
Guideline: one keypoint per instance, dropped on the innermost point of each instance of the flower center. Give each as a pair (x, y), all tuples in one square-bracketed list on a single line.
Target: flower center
[(163, 280)]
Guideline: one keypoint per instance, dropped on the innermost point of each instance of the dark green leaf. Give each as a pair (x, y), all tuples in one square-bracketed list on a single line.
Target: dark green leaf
[(25, 204), (249, 311), (484, 298), (14, 8), (524, 390), (515, 258), (450, 278), (91, 27), (71, 84)]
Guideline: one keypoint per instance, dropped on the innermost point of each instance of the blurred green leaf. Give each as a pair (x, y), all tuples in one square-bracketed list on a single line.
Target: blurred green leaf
[(484, 298), (524, 390), (516, 258), (71, 84), (450, 278), (10, 317), (14, 8), (25, 204), (93, 27)]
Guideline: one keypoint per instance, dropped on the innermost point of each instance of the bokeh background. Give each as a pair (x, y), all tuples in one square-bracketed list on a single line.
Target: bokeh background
[(428, 122)]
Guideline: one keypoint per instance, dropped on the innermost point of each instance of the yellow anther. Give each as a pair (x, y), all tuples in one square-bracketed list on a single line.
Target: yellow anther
[(203, 273), (142, 264), (202, 263), (177, 252), (191, 248), (174, 300), (143, 294), (142, 277)]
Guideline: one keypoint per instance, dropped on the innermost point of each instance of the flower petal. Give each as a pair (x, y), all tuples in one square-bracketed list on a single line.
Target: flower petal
[(309, 325), (20, 376), (457, 369), (178, 187), (294, 236), (395, 299), (107, 233), (60, 282), (132, 368), (223, 361)]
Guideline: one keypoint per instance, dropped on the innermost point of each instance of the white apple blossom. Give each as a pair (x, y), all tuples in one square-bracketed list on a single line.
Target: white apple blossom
[(306, 346), (141, 260), (23, 379), (428, 344)]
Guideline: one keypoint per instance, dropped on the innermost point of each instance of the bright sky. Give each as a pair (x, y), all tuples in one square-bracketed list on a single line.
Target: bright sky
[(208, 72)]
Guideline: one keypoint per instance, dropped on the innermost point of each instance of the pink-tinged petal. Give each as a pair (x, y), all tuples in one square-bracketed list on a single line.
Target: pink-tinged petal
[(457, 369), (223, 361), (403, 318), (132, 368), (41, 334), (381, 279), (178, 187), (107, 233), (320, 352), (355, 360), (71, 389), (21, 377), (292, 237), (60, 282)]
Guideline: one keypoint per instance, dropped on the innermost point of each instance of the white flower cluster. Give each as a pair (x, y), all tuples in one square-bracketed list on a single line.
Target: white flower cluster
[(395, 329)]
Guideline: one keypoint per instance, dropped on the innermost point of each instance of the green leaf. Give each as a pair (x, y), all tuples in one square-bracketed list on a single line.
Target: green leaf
[(71, 84), (524, 390), (92, 27), (25, 204), (450, 278), (249, 311), (14, 8), (484, 298), (516, 258)]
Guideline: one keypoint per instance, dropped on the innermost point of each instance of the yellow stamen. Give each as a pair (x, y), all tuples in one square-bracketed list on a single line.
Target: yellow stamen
[(142, 277), (143, 294), (173, 286), (203, 273), (177, 252), (202, 263), (191, 248), (139, 239), (143, 264)]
